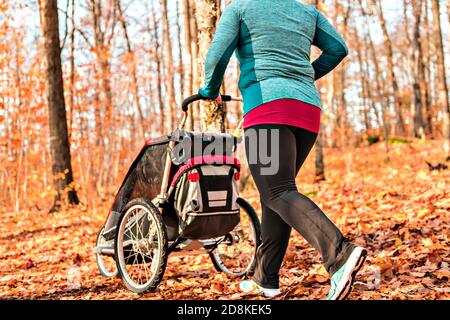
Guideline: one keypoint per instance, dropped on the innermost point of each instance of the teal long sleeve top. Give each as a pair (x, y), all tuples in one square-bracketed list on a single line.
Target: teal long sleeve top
[(272, 41)]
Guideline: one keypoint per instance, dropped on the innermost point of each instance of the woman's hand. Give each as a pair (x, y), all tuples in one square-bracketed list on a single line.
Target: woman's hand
[(217, 100)]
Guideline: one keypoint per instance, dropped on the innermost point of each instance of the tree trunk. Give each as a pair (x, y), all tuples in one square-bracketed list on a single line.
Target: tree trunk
[(400, 124), (418, 77), (102, 53), (72, 70), (170, 86), (159, 73), (194, 108), (339, 77), (150, 77), (133, 72), (213, 115), (102, 49), (188, 72), (219, 10), (59, 140), (442, 79), (319, 160), (426, 67), (409, 61), (379, 87), (365, 89), (448, 10), (180, 52)]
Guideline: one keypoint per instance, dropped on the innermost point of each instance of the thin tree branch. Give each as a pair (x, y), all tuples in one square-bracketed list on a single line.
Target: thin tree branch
[(66, 31), (85, 38)]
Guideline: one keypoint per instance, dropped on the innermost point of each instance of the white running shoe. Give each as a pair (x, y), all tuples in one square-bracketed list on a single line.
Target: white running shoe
[(251, 286)]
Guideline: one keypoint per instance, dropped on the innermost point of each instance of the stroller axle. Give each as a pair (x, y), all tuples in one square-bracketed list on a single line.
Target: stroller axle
[(104, 250)]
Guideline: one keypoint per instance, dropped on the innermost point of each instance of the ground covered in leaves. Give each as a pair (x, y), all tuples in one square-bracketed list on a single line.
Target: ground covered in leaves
[(396, 208)]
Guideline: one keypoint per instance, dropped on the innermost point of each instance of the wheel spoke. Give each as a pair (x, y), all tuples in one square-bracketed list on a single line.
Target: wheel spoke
[(142, 266), (147, 274), (138, 240)]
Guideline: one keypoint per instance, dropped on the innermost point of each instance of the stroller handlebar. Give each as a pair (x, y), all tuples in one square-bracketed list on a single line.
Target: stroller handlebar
[(197, 97)]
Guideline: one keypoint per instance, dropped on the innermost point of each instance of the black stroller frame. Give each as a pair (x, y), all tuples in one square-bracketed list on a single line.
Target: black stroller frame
[(112, 242)]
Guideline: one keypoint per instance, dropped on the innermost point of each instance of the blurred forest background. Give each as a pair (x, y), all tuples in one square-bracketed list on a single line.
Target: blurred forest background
[(84, 82)]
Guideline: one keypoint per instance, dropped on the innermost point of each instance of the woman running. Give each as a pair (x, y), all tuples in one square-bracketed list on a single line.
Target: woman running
[(272, 40)]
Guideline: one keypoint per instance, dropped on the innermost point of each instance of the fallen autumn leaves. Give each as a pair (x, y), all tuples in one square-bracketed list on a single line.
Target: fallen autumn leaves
[(398, 210)]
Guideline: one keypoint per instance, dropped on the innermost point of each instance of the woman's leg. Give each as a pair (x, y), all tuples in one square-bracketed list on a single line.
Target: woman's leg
[(279, 193), (339, 248), (275, 233)]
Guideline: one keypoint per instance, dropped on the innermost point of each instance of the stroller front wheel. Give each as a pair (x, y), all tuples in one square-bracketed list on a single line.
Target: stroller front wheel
[(141, 246)]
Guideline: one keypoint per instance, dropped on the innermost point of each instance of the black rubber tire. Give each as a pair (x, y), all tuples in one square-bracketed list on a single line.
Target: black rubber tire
[(257, 227), (163, 254)]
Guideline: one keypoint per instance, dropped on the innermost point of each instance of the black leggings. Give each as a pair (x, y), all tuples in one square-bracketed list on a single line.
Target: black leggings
[(283, 207)]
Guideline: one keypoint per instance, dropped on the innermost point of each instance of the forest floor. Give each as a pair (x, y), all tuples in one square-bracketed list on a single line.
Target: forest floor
[(397, 209)]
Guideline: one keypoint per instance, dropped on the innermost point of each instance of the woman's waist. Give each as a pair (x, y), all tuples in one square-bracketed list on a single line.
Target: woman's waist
[(285, 111), (286, 106)]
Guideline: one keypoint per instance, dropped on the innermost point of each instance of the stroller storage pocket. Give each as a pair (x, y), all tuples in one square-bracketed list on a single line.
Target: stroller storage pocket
[(206, 201)]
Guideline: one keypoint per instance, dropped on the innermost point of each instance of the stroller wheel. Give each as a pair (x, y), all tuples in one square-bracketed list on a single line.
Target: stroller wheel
[(141, 246), (236, 256), (105, 263)]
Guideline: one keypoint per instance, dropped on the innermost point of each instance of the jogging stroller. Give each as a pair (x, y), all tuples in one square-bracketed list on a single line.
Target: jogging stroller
[(181, 193)]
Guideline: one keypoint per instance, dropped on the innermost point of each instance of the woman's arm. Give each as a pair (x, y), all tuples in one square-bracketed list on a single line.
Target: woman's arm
[(333, 46), (221, 49)]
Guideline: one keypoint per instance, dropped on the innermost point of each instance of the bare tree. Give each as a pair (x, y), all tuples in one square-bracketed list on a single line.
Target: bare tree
[(400, 124), (319, 160), (153, 31), (180, 50), (170, 70), (189, 71), (72, 68), (133, 71), (381, 96), (442, 79), (426, 70), (340, 77), (418, 71), (196, 73), (213, 116), (59, 139)]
